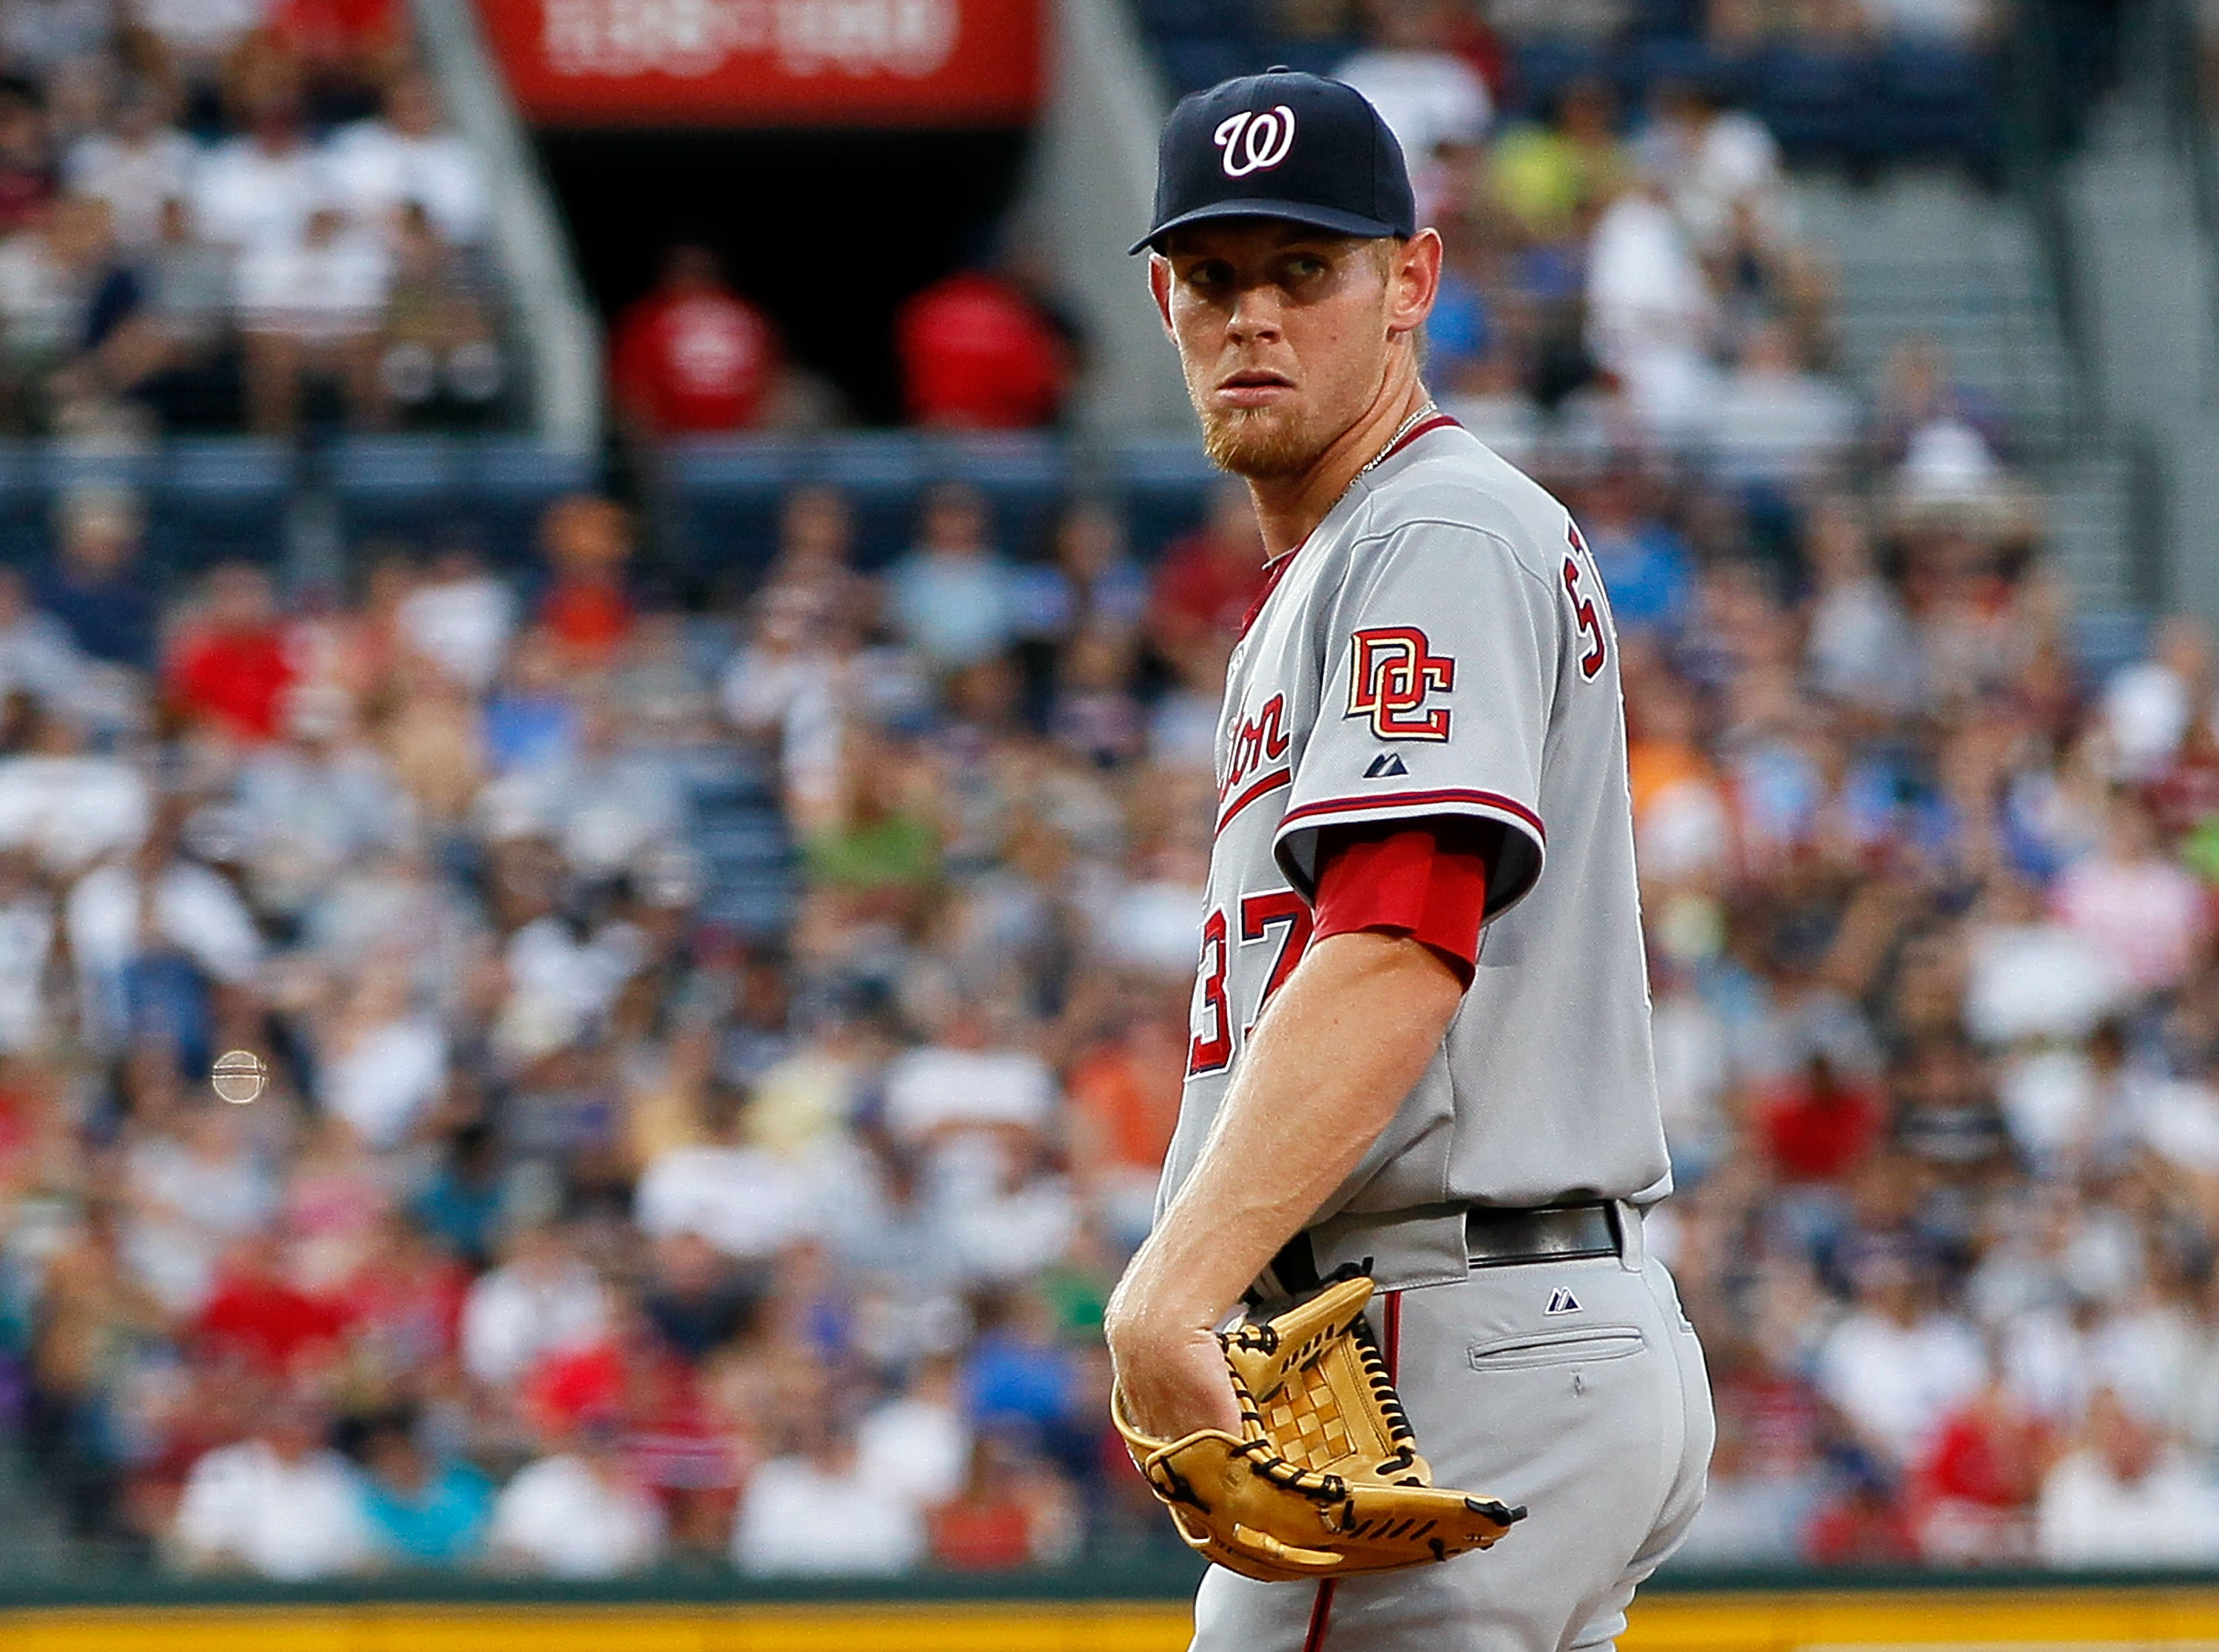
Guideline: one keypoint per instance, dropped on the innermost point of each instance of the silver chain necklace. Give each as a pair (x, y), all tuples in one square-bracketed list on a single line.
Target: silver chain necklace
[(1400, 430)]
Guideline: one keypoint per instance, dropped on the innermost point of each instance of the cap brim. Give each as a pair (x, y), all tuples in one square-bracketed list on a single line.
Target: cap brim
[(1298, 212)]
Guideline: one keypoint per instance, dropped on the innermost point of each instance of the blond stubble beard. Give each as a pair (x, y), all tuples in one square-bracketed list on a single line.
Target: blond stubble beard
[(1256, 442)]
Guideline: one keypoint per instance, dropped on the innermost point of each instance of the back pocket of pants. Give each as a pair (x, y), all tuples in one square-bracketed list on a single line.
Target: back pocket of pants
[(1585, 1346)]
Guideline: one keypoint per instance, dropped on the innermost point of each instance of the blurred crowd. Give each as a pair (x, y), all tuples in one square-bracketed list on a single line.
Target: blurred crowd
[(1484, 32), (249, 214)]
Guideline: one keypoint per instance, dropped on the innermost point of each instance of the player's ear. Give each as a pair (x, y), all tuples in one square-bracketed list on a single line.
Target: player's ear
[(1413, 281), (1160, 284)]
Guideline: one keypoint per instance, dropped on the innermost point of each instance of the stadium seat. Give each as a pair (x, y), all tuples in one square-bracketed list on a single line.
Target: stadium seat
[(1690, 61), (1165, 482), (1939, 101), (404, 487), (726, 494), (23, 531), (212, 499), (1545, 67), (724, 497), (510, 481), (1024, 475), (1817, 103), (417, 488), (1191, 63)]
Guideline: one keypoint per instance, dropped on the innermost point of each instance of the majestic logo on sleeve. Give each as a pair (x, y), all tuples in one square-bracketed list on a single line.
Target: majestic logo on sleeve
[(1392, 671), (1255, 142)]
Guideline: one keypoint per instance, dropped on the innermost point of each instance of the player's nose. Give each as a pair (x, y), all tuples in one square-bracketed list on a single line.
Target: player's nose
[(1256, 314)]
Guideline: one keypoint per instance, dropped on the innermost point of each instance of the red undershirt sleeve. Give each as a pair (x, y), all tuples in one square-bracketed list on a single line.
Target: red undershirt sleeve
[(1425, 878)]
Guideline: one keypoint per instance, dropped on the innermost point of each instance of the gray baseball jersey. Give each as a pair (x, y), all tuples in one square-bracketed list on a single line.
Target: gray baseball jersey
[(1441, 645)]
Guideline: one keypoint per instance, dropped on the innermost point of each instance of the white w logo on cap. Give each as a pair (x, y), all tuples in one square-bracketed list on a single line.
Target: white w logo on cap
[(1255, 142)]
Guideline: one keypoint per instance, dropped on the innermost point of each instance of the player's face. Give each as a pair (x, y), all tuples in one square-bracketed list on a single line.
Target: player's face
[(1284, 334)]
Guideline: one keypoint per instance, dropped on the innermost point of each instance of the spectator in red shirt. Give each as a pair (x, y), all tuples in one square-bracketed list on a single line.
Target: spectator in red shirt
[(233, 672), (1205, 584), (693, 358), (587, 542), (257, 1317), (1865, 1525), (1976, 1493), (27, 164), (988, 1526), (1819, 1127), (978, 354)]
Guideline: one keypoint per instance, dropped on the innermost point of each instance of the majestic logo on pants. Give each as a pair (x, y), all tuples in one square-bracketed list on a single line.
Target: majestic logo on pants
[(1392, 670), (1255, 142)]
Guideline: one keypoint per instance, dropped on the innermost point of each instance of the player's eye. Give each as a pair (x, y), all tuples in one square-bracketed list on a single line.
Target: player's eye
[(1208, 275), (1304, 267)]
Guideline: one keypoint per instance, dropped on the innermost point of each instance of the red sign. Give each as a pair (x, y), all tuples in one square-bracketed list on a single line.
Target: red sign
[(769, 63)]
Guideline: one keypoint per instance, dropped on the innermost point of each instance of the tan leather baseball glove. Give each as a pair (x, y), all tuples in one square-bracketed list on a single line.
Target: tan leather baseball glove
[(1325, 1480)]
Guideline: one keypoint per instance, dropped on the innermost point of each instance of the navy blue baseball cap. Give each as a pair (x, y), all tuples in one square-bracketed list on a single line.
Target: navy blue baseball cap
[(1282, 144)]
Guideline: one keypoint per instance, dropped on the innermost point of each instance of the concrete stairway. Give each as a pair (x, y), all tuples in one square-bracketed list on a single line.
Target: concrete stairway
[(2150, 276), (1928, 253)]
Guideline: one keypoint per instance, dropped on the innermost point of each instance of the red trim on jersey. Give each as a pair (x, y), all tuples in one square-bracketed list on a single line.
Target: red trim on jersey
[(1261, 787), (1416, 879), (1277, 567), (1416, 803), (1274, 571), (1413, 434), (1321, 1614)]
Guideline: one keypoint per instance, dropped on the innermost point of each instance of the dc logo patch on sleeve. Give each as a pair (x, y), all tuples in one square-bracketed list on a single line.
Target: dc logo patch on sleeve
[(1392, 671)]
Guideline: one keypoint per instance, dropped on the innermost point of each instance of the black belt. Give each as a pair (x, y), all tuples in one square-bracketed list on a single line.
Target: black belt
[(1495, 1237)]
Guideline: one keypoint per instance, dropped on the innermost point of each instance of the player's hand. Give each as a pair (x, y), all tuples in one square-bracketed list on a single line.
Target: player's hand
[(1172, 1378)]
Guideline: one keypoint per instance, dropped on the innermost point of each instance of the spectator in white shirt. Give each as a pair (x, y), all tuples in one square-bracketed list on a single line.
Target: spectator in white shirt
[(2129, 1496), (1774, 422), (954, 598), (919, 1444), (38, 657), (1431, 99), (260, 189), (541, 1300), (2150, 705), (821, 1513), (460, 618), (320, 801), (579, 1513), (1896, 1367), (379, 166), (280, 1504), (312, 307), (744, 1199), (961, 1082), (195, 1190), (138, 163), (199, 34), (2134, 904), (1651, 313), (1858, 645), (71, 808), (1716, 163), (383, 1062), (51, 273), (126, 910), (604, 800)]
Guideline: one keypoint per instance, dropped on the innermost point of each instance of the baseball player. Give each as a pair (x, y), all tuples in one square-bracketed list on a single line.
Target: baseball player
[(1421, 1024)]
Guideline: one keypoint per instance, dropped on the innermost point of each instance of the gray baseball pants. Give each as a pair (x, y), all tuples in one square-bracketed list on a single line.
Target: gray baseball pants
[(1576, 1388)]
